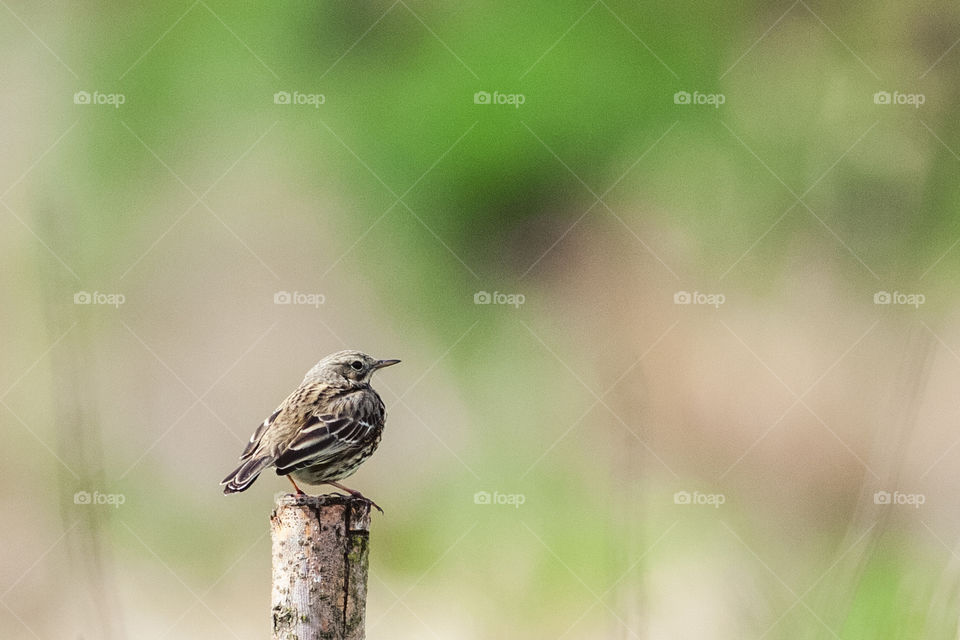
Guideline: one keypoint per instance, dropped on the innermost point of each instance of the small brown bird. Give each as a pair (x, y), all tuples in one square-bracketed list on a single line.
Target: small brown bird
[(323, 431)]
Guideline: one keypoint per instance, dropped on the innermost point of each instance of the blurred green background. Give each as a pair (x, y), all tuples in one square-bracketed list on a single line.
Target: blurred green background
[(775, 459)]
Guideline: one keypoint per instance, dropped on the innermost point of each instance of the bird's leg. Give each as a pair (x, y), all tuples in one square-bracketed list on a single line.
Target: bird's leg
[(355, 494), (299, 492)]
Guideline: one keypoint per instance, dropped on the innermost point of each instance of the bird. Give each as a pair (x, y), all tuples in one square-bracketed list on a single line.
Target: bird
[(323, 431)]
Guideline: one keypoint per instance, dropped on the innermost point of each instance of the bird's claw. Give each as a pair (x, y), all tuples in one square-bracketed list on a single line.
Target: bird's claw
[(367, 500)]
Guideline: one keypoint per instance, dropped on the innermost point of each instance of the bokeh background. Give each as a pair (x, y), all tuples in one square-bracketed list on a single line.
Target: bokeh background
[(714, 396)]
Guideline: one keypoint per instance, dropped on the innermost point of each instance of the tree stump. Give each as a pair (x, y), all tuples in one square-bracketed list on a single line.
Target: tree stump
[(320, 561)]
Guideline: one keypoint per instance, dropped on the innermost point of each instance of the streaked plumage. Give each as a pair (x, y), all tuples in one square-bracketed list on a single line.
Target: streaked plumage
[(323, 431)]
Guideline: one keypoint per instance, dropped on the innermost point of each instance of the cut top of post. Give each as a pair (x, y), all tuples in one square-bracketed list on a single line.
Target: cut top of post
[(356, 510)]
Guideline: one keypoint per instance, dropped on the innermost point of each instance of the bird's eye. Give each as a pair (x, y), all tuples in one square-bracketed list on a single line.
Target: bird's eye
[(356, 364)]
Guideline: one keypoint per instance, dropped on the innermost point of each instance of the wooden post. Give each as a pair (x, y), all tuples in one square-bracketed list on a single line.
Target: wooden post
[(320, 560)]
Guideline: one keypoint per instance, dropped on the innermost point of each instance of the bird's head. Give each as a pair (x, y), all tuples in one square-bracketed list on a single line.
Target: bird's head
[(354, 366)]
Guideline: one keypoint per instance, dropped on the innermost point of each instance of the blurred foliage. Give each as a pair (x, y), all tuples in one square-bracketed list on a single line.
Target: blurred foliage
[(496, 186)]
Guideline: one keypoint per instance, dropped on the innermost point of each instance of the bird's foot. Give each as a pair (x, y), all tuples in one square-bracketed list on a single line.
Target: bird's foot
[(356, 494), (372, 503)]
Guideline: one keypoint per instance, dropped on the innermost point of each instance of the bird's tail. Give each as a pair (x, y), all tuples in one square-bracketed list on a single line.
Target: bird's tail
[(244, 475)]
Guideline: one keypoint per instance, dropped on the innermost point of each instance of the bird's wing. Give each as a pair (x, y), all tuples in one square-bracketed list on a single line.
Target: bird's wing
[(288, 416), (341, 424), (258, 434)]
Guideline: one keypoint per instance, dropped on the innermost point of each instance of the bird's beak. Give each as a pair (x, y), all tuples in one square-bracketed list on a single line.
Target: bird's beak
[(380, 364)]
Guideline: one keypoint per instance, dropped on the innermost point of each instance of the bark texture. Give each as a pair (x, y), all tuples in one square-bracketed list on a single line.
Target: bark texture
[(320, 561)]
